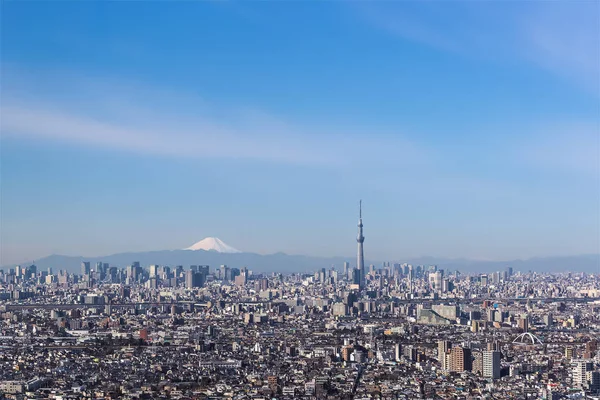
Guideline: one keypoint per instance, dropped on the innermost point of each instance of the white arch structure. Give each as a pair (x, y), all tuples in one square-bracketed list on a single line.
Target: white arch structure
[(523, 337)]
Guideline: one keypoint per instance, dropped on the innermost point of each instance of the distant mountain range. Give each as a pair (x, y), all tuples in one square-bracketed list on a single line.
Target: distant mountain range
[(219, 253)]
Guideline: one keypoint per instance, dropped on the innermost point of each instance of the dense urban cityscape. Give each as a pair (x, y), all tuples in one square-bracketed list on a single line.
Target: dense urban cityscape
[(393, 331), (408, 194)]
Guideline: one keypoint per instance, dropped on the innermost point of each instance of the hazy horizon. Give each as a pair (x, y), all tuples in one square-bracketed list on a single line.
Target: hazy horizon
[(475, 135), (401, 259)]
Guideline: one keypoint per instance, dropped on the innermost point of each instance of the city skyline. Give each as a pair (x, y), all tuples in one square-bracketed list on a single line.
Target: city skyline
[(230, 123), (180, 183)]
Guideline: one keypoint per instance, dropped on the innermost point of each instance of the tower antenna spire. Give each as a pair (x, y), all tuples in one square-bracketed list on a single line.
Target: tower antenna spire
[(360, 259)]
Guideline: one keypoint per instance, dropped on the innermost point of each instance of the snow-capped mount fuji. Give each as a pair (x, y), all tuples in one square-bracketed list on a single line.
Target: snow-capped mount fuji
[(213, 244)]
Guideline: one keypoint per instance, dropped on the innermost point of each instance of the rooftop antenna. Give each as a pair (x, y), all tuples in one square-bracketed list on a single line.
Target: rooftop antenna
[(360, 209)]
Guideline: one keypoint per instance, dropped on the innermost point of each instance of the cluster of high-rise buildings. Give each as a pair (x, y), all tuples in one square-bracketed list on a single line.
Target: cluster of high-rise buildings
[(392, 331)]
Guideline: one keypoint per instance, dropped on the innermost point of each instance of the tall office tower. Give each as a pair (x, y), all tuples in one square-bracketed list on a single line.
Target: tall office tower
[(262, 284), (477, 363), (152, 283), (356, 278), (398, 352), (435, 280), (593, 381), (224, 272), (346, 270), (443, 347), (360, 257), (524, 324), (204, 269), (460, 359), (130, 271), (510, 271), (242, 278), (484, 280), (410, 352), (491, 364), (334, 275), (446, 285), (112, 272), (193, 279), (580, 370), (189, 279), (31, 271), (85, 268)]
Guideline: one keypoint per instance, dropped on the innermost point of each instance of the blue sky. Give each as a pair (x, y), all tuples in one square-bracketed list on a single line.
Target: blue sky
[(469, 129)]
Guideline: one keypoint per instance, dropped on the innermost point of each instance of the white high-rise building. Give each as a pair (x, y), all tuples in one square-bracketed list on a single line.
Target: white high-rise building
[(443, 357), (398, 352), (435, 281), (347, 271), (580, 369), (491, 364)]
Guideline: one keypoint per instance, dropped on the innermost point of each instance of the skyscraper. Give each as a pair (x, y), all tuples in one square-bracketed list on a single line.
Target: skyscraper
[(443, 347), (85, 268), (580, 369), (443, 357), (360, 258), (491, 364), (194, 279), (460, 359), (346, 270), (398, 352)]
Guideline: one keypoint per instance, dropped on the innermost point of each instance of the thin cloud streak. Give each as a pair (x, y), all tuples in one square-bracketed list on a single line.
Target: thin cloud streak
[(560, 37), (564, 37), (204, 139), (155, 130), (119, 115)]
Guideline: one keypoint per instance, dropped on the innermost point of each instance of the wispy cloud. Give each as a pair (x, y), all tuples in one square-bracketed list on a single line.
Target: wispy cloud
[(564, 37), (111, 114), (159, 122), (407, 23), (561, 37)]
